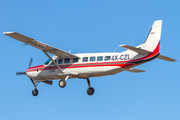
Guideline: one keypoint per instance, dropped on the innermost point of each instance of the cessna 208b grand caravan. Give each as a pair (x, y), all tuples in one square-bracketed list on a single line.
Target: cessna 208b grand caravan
[(64, 65)]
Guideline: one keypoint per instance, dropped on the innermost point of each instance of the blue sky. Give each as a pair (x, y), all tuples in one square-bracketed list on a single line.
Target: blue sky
[(88, 26)]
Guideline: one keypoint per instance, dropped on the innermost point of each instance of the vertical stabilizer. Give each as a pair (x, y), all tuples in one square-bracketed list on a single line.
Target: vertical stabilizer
[(152, 42)]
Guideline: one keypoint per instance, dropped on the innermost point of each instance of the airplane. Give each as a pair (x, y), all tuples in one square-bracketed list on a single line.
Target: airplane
[(64, 65)]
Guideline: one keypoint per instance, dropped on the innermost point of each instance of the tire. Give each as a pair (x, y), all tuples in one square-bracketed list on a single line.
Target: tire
[(35, 92), (62, 83), (90, 91)]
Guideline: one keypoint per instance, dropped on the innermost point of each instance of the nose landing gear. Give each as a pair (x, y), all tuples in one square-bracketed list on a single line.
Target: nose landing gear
[(35, 91)]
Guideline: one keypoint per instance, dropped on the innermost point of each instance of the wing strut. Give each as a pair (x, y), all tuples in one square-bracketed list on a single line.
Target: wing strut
[(53, 62)]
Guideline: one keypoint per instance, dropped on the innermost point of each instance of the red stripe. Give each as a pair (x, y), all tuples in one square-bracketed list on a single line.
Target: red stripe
[(115, 63), (127, 63), (119, 65), (156, 50)]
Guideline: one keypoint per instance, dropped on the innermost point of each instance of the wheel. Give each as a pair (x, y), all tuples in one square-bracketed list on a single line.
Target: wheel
[(62, 83), (90, 91), (35, 92)]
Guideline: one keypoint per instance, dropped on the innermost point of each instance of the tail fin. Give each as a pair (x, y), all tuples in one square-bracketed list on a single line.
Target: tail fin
[(152, 42)]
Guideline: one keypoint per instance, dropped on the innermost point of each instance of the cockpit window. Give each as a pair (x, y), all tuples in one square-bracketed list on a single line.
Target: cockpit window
[(47, 62), (53, 63)]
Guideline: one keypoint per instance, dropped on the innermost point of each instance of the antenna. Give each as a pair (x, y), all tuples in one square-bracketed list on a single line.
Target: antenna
[(114, 50)]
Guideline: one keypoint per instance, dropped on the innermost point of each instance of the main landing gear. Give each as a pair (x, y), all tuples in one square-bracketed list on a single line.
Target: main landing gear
[(62, 82), (90, 90)]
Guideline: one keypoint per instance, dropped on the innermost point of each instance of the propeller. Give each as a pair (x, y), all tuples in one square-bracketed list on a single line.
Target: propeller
[(20, 73), (30, 62), (24, 73)]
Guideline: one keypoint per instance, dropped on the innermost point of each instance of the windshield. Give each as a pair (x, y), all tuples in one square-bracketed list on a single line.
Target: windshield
[(47, 62)]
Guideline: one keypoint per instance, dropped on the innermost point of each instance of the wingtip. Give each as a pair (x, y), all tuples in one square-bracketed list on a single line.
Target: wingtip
[(122, 45), (173, 60), (6, 33)]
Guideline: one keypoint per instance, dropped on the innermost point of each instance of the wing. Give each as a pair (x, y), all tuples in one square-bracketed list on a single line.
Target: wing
[(40, 45)]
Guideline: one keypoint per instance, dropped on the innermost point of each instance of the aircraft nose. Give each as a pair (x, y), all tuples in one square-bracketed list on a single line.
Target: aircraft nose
[(31, 73), (34, 71)]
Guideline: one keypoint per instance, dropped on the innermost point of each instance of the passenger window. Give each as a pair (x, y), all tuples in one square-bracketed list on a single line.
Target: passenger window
[(100, 58), (75, 60), (67, 60), (85, 59), (53, 63), (92, 58), (107, 58), (60, 61)]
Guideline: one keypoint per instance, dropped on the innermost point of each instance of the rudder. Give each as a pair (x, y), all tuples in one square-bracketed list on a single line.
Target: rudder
[(152, 42)]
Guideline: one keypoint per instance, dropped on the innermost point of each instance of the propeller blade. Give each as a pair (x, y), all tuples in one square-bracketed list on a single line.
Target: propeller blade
[(20, 73), (30, 62)]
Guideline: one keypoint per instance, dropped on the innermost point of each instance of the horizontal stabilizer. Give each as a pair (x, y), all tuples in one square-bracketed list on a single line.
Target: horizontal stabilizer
[(135, 49), (166, 58), (134, 70)]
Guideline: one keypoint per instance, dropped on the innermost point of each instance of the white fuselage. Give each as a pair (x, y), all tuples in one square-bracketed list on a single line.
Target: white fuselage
[(88, 65)]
